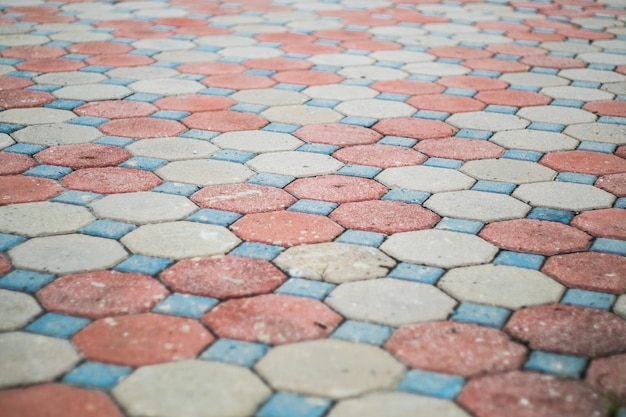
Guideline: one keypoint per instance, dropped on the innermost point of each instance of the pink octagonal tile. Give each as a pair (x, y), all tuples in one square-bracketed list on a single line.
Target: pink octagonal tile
[(459, 148), (415, 128), (99, 48), (50, 65), (142, 128), (237, 81), (603, 223), (286, 228), (473, 82), (210, 68), (456, 348), (224, 121), (110, 180), (116, 109), (15, 99), (446, 103), (15, 163), (14, 83), (498, 65), (549, 61), (336, 188), (223, 276), (593, 271), (33, 52), (608, 375), (120, 60), (381, 156), (194, 103), (459, 52), (83, 155), (408, 87), (337, 134), (272, 319), (306, 77), (513, 98), (5, 265), (142, 339), (243, 198), (607, 108), (613, 183), (384, 216), (22, 189), (277, 64), (584, 162)]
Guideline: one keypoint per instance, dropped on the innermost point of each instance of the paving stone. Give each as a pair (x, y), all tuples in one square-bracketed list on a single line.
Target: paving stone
[(500, 285), (536, 236), (592, 271), (237, 81), (172, 389), (257, 141), (340, 92), (102, 294), (592, 75), (334, 262), (398, 404), (110, 180), (336, 188), (269, 97), (224, 121), (204, 172), (243, 198), (423, 178), (69, 78), (390, 301), (43, 218), (439, 248), (92, 92), (382, 156), (597, 132), (142, 339), (301, 115), (375, 108), (372, 72), (141, 73), (172, 149), (607, 376), (337, 134), (13, 163), (143, 207), (605, 223), (17, 310), (329, 368), (508, 170), (29, 358), (456, 348), (56, 400), (534, 140), (223, 276), (576, 93), (415, 128), (556, 114), (142, 128), (83, 155), (476, 205), (613, 183), (564, 196), (529, 393), (585, 162), (166, 86), (22, 189), (295, 164), (494, 122), (178, 240), (193, 103), (51, 134), (459, 148)]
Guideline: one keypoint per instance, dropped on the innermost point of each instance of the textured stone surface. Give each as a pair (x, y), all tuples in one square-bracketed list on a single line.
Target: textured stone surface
[(593, 271), (204, 172), (507, 170), (422, 178), (43, 218), (243, 198), (399, 404), (295, 164), (17, 310), (564, 196), (476, 205), (143, 207)]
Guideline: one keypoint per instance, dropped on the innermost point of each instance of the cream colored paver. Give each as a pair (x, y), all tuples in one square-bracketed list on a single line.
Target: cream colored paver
[(257, 141), (341, 60), (52, 134), (593, 75), (83, 35), (390, 301), (225, 40), (424, 178), (493, 122), (598, 132), (372, 72), (402, 56), (534, 140), (69, 78), (508, 170), (17, 310), (576, 93), (330, 368), (5, 140), (250, 52), (301, 115), (22, 40), (172, 149), (141, 73), (500, 285), (35, 116), (163, 44), (376, 109), (340, 92), (439, 248), (43, 218), (204, 172), (92, 92), (564, 196), (556, 114), (435, 69), (166, 86), (397, 404), (295, 164), (186, 56), (143, 207), (269, 97), (534, 79), (477, 205)]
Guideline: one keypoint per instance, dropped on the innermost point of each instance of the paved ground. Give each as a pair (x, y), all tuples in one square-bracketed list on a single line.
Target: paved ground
[(300, 208)]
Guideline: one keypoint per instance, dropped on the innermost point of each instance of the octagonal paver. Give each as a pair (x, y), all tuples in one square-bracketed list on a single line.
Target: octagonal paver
[(424, 178), (269, 97), (598, 132), (440, 248), (142, 339), (180, 388), (609, 223), (43, 218), (494, 122), (143, 207), (243, 198), (415, 128), (459, 148), (166, 86), (116, 109), (36, 116), (534, 140), (29, 358), (83, 155), (79, 253), (110, 180), (500, 285), (301, 115), (508, 170), (223, 276), (337, 134), (51, 134), (556, 114), (23, 189), (172, 149), (178, 240), (13, 163), (613, 183), (607, 376), (477, 205), (336, 188), (398, 404), (272, 319), (204, 172), (295, 164), (334, 262), (92, 92), (570, 330), (377, 109), (330, 368), (564, 196), (340, 92), (585, 162), (102, 294), (17, 309), (390, 301), (592, 271), (257, 141), (456, 348), (382, 156)]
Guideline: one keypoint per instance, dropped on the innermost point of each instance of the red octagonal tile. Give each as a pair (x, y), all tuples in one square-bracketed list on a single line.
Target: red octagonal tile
[(99, 48), (608, 375), (33, 52), (513, 98), (102, 294), (456, 348), (536, 236), (277, 64), (13, 99), (14, 83), (243, 198), (604, 223), (83, 155), (109, 180), (459, 148), (570, 330), (142, 339), (446, 103), (382, 156), (142, 128), (210, 68), (5, 265), (15, 163), (50, 65), (459, 52), (56, 400), (223, 276), (286, 228), (384, 216), (549, 61), (306, 77), (116, 109), (272, 319), (607, 108), (120, 60), (408, 87), (593, 271), (415, 128), (498, 65), (194, 103), (22, 189), (224, 121), (337, 134), (336, 188), (613, 183), (473, 82), (238, 81), (584, 162)]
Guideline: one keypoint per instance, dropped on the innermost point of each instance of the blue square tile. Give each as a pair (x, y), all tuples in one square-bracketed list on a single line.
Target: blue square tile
[(522, 155), (443, 163), (48, 171), (235, 352), (328, 104), (259, 72), (585, 84), (24, 74), (170, 114), (485, 73), (576, 178), (248, 108), (110, 229), (199, 134), (556, 364), (290, 87), (239, 157), (143, 97), (185, 305), (397, 141), (501, 109), (223, 92), (217, 217), (313, 207), (460, 225), (57, 325), (359, 237), (620, 203), (257, 251), (88, 121), (43, 87), (522, 260), (146, 164), (99, 69), (463, 92), (360, 332), (612, 120), (431, 115), (24, 148), (97, 375), (117, 81), (431, 384), (481, 314), (281, 127), (568, 103), (591, 299), (29, 281), (115, 141), (474, 134), (406, 196), (596, 147), (551, 215), (359, 171), (530, 88), (417, 273), (283, 404), (141, 264), (8, 241), (393, 97), (358, 121), (318, 148), (494, 187), (176, 188), (305, 288), (602, 244), (64, 104), (549, 127), (78, 198), (272, 180)]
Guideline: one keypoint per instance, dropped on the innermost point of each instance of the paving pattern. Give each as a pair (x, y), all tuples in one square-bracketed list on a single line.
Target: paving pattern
[(313, 208)]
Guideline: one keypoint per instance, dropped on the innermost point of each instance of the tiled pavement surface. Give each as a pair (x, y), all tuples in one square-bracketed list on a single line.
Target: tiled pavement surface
[(300, 208)]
